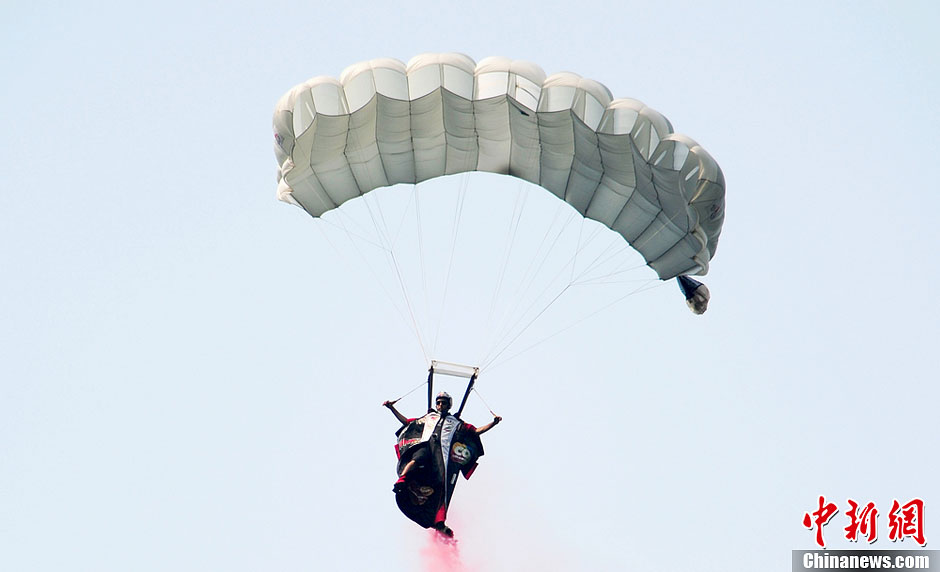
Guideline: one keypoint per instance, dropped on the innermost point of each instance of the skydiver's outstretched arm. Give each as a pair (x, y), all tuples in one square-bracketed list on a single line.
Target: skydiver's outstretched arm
[(490, 425), (399, 416)]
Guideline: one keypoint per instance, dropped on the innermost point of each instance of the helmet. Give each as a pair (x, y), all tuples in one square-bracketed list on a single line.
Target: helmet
[(445, 395)]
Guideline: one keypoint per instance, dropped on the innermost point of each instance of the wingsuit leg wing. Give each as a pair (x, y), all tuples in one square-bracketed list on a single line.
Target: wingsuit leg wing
[(422, 497)]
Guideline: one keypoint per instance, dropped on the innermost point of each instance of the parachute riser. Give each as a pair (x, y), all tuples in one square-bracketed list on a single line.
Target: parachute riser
[(430, 388), (466, 394)]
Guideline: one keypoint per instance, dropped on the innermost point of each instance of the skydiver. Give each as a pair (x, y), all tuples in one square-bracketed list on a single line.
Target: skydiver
[(420, 455)]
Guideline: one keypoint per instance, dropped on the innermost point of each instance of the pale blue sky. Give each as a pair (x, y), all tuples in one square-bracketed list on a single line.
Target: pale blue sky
[(178, 350)]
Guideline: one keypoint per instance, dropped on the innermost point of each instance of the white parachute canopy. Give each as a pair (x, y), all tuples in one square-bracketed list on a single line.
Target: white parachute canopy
[(605, 162), (615, 161)]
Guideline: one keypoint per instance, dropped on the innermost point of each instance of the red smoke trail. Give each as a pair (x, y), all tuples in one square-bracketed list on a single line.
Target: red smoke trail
[(440, 554)]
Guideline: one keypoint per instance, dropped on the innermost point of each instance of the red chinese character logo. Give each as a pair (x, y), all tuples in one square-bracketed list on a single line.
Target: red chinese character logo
[(907, 520), (863, 522), (819, 519)]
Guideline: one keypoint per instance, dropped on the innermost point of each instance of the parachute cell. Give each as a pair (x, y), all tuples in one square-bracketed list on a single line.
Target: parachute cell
[(615, 161)]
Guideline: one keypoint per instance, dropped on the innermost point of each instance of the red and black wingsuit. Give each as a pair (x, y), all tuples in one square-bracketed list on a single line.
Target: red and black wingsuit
[(452, 446)]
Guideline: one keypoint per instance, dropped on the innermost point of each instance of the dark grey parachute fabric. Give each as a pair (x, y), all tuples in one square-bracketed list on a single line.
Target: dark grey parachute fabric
[(615, 161)]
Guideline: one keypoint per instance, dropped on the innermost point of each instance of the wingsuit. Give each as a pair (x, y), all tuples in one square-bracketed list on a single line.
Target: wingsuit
[(432, 450), (442, 446)]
